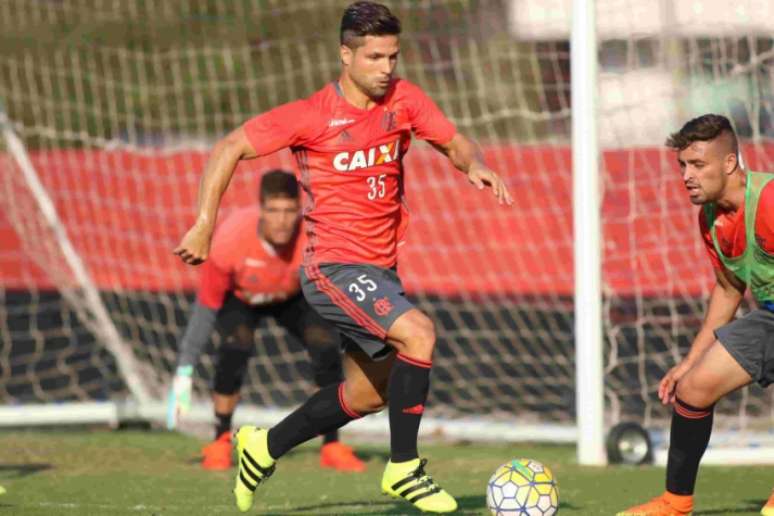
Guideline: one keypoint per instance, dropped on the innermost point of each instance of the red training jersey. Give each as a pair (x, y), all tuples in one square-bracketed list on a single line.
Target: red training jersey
[(729, 228), (350, 166), (242, 262)]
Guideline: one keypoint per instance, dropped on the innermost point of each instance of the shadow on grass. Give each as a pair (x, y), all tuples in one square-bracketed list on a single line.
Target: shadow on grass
[(22, 470), (744, 507), (467, 505)]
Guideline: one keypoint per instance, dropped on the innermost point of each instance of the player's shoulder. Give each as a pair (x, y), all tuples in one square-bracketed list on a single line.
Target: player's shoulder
[(767, 192), (310, 114), (403, 88), (307, 107), (322, 101), (766, 201)]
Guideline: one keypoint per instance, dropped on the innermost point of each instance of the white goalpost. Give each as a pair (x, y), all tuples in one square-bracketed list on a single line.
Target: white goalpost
[(587, 229)]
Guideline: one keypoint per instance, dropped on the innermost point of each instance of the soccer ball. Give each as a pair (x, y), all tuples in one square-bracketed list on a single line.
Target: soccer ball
[(522, 487)]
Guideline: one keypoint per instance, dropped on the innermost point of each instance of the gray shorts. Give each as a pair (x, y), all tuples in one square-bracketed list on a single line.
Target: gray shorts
[(361, 301), (750, 340)]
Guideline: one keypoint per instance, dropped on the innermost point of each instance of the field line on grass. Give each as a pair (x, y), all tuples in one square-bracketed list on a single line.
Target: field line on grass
[(143, 507), (138, 507)]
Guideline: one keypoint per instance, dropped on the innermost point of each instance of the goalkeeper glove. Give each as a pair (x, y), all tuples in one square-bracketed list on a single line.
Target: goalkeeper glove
[(179, 398)]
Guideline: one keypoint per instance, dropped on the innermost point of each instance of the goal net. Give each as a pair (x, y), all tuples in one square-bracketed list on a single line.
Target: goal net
[(111, 108)]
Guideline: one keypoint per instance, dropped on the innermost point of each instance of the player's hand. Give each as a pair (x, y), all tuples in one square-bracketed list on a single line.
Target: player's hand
[(668, 384), (179, 398), (195, 245), (481, 177)]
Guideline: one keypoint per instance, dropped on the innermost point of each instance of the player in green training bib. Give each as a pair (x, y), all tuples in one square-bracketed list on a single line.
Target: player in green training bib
[(737, 225)]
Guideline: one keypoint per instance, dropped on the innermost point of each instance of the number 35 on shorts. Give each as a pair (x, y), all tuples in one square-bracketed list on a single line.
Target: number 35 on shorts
[(362, 285)]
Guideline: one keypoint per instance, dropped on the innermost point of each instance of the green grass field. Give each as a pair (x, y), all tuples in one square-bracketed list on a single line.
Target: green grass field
[(96, 472)]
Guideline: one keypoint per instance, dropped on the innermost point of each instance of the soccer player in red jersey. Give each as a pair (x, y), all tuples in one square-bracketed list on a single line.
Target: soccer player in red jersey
[(737, 225), (349, 139), (252, 274)]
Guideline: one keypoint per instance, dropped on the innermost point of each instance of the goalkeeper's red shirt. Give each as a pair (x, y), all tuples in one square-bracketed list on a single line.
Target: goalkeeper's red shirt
[(350, 166), (729, 227), (242, 262)]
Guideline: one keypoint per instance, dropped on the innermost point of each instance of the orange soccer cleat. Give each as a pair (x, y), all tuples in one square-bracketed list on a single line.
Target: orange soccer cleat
[(667, 504), (217, 454), (340, 457), (768, 509)]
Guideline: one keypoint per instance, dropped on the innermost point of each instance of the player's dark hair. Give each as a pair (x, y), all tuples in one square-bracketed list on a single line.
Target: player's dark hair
[(367, 19), (703, 129), (278, 183)]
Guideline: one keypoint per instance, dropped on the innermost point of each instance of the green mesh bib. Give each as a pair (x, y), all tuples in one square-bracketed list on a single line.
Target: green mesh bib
[(754, 267)]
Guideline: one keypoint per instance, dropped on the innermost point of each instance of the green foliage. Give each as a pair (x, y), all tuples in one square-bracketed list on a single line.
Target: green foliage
[(77, 72)]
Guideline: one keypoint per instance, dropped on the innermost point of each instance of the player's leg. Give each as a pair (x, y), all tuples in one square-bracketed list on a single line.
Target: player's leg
[(362, 392), (716, 374), (330, 408), (363, 302), (236, 325), (743, 353), (413, 337), (373, 298), (323, 344)]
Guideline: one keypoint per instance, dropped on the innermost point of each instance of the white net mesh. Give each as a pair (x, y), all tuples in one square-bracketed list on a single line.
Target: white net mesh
[(117, 103)]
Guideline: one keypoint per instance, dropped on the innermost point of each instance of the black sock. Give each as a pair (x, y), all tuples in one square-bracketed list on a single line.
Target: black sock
[(222, 423), (409, 384), (326, 361), (324, 412), (688, 438), (331, 437)]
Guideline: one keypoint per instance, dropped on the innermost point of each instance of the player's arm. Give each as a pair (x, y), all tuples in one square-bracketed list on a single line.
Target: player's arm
[(215, 283), (430, 124), (724, 301), (284, 126), (196, 334), (195, 245), (466, 156)]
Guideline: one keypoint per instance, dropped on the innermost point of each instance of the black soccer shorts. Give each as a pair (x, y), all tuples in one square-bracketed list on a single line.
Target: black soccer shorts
[(361, 301), (750, 340)]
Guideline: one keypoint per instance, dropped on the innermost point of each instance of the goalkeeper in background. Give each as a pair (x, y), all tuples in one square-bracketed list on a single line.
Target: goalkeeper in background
[(736, 220), (253, 273)]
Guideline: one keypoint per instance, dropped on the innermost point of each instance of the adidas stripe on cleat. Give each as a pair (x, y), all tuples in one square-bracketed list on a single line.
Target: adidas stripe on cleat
[(408, 480), (255, 464)]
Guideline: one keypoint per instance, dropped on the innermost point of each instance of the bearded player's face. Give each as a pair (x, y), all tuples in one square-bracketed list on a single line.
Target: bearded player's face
[(279, 218), (371, 65), (705, 167)]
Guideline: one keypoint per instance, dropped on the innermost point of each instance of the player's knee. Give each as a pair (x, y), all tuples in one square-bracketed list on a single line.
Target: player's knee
[(695, 392), (368, 404), (230, 370), (365, 400), (422, 340), (241, 339)]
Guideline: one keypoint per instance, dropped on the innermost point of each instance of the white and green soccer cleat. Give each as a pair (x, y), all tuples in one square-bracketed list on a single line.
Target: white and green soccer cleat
[(408, 481), (255, 464)]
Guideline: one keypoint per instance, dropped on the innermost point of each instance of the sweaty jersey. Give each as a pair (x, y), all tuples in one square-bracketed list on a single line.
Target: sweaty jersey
[(242, 262), (730, 229), (350, 166)]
